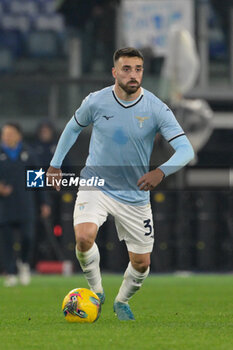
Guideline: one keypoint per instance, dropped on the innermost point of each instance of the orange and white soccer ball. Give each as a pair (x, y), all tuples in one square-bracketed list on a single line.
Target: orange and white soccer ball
[(81, 305)]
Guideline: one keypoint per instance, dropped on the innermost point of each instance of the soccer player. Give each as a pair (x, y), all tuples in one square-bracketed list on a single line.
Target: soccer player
[(125, 119)]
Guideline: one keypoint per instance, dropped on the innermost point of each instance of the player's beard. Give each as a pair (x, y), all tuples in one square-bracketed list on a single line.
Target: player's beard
[(128, 88)]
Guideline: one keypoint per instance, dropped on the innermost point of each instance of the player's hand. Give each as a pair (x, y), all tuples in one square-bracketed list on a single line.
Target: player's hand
[(150, 180), (54, 177)]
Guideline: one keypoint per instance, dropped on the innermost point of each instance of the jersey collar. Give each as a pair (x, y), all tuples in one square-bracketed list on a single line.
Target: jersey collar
[(127, 105)]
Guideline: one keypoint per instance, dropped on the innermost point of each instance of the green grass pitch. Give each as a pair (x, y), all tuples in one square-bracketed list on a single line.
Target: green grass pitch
[(172, 313)]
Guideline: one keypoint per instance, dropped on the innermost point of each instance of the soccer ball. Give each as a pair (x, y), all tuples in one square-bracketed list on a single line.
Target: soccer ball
[(81, 305)]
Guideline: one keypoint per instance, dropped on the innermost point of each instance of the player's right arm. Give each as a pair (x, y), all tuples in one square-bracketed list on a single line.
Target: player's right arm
[(81, 118)]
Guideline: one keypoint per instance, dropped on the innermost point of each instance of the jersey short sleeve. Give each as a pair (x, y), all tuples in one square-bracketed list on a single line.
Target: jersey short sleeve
[(83, 114), (168, 126)]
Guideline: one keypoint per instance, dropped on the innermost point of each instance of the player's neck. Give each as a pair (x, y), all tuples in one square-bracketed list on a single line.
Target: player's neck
[(122, 95)]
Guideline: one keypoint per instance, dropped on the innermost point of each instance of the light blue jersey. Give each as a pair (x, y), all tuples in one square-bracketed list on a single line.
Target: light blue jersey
[(122, 140)]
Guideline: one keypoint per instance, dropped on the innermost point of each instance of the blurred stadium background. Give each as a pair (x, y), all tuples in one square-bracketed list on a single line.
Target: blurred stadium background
[(53, 53)]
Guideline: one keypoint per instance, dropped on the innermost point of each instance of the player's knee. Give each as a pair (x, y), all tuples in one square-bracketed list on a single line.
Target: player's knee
[(141, 265), (85, 237), (83, 243)]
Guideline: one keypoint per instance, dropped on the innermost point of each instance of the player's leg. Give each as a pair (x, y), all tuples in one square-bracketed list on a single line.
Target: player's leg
[(87, 253), (135, 226), (135, 274), (88, 216)]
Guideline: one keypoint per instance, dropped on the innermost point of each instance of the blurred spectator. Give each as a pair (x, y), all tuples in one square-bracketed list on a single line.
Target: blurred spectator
[(45, 142), (17, 204), (94, 22), (104, 25), (44, 145), (222, 10)]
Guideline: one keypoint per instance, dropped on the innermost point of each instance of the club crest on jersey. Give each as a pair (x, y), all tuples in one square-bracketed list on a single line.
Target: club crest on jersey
[(82, 205), (141, 120)]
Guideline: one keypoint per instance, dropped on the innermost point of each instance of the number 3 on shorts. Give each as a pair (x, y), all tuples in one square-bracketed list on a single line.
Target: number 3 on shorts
[(147, 225)]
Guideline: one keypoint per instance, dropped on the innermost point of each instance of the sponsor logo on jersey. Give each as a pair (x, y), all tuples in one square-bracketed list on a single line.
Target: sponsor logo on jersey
[(107, 117)]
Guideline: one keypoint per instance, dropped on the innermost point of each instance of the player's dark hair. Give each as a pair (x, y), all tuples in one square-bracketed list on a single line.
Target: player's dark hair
[(16, 126), (128, 52)]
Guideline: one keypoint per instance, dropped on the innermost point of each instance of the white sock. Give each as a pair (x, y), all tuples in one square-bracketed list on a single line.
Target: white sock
[(131, 283), (89, 262)]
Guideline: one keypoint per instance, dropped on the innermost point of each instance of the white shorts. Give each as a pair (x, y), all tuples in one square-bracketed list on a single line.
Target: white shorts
[(134, 224)]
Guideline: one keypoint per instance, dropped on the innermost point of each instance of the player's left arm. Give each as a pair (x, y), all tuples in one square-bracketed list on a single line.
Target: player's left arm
[(171, 130), (183, 154)]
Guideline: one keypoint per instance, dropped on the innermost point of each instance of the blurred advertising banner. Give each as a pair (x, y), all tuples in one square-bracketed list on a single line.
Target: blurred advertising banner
[(146, 23)]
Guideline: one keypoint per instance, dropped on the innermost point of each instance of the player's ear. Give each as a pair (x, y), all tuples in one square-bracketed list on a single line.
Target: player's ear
[(114, 72)]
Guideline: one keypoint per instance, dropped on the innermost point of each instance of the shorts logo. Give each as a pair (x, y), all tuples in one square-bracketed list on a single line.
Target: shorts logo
[(141, 120), (82, 205), (35, 178)]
